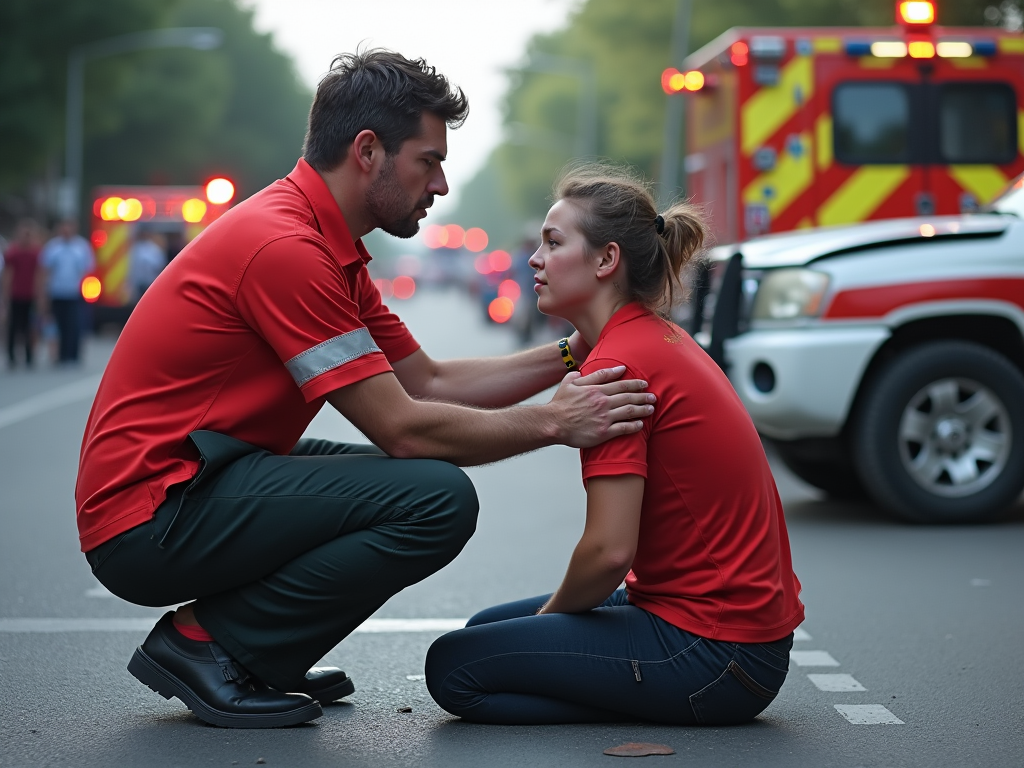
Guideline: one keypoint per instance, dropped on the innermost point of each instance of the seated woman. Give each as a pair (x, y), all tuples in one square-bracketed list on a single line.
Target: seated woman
[(686, 510)]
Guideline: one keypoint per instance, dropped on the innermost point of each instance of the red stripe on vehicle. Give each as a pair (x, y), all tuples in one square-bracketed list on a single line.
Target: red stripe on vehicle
[(879, 301)]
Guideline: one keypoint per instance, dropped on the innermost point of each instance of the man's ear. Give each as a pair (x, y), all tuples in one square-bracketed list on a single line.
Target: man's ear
[(366, 150), (608, 261)]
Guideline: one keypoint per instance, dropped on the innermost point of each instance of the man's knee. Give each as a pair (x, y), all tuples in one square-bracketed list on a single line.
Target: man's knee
[(457, 505)]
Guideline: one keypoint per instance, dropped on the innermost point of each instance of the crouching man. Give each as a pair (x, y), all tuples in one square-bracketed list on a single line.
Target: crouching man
[(194, 485)]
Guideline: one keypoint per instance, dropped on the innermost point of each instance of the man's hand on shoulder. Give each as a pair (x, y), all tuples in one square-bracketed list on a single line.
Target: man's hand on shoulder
[(599, 406)]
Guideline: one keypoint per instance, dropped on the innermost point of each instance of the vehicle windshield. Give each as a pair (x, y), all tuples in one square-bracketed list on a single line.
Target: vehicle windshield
[(1011, 201)]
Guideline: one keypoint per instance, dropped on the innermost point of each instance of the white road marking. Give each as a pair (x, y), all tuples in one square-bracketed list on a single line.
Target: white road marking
[(868, 714), (411, 625), (836, 683), (83, 389), (981, 582), (416, 678), (800, 634), (99, 591), (52, 626), (813, 659)]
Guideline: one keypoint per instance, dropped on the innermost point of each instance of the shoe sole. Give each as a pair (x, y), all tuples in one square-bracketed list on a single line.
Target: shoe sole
[(338, 691), (152, 675)]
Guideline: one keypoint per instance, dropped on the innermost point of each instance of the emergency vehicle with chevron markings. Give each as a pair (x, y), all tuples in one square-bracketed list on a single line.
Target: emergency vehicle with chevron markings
[(179, 213), (798, 127), (884, 358)]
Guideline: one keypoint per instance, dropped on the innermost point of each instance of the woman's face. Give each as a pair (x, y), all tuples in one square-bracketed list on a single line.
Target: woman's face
[(566, 278)]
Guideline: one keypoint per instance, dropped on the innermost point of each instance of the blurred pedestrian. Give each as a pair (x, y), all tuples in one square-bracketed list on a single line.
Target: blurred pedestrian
[(685, 510), (66, 260), (147, 259), (20, 290), (194, 485)]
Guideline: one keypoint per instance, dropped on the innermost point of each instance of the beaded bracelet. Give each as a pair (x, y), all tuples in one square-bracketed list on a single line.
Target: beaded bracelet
[(567, 358)]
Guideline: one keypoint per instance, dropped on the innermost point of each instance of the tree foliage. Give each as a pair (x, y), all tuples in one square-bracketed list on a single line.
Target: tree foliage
[(626, 46), (160, 116)]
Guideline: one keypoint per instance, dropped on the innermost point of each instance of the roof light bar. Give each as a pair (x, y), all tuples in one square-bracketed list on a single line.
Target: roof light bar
[(889, 49), (954, 49), (921, 49)]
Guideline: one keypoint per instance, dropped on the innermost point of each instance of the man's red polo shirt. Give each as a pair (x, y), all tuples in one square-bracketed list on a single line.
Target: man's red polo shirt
[(713, 554), (244, 333)]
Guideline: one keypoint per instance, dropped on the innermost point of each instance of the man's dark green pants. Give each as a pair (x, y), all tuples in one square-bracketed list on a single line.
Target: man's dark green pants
[(286, 555)]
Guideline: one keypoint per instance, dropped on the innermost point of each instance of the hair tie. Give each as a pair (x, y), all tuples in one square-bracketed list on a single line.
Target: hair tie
[(659, 223)]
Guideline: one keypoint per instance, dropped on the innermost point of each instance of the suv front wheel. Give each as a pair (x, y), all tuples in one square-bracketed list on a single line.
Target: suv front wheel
[(939, 434)]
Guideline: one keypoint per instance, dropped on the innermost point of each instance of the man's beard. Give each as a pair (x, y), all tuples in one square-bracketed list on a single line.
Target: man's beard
[(390, 206)]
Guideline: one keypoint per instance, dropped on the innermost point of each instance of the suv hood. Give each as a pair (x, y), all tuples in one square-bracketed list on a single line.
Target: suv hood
[(800, 247)]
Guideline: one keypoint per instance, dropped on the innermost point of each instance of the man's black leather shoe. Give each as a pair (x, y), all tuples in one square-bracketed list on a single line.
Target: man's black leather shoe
[(213, 685), (326, 684)]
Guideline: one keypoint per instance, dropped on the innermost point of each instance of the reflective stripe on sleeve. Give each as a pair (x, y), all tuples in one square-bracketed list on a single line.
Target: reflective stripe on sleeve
[(329, 354)]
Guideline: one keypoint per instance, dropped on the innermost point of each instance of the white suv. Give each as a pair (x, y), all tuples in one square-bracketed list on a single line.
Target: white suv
[(884, 357)]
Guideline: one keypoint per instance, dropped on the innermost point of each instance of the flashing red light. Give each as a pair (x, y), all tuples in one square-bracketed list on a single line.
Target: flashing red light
[(99, 238), (435, 236), (220, 191), (500, 261), (482, 264), (739, 53), (91, 288), (476, 240), (509, 289), (694, 80), (456, 235), (500, 310), (672, 81), (385, 287), (915, 13), (108, 209), (404, 287)]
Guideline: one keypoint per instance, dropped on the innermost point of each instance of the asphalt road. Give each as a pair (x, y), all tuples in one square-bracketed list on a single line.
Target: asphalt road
[(927, 621)]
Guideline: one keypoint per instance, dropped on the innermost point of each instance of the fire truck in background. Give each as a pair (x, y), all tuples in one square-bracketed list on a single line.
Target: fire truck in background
[(119, 213), (799, 127)]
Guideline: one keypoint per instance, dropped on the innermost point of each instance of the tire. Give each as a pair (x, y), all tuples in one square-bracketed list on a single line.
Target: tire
[(938, 436), (839, 480)]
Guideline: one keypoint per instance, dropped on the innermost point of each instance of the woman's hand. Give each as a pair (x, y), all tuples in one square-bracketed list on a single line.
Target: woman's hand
[(606, 550)]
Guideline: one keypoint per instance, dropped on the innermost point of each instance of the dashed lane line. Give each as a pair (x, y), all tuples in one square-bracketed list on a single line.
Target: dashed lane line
[(868, 714), (839, 683), (55, 626), (813, 659), (800, 634), (83, 389)]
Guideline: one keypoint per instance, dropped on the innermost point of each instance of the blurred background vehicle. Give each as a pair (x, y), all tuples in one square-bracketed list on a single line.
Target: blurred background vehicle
[(885, 358), (799, 127), (129, 221)]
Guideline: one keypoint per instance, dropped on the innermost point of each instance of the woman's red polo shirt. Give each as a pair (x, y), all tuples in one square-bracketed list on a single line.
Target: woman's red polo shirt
[(713, 555), (244, 333)]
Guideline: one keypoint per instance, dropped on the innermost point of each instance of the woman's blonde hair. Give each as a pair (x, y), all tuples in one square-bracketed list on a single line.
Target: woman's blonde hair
[(614, 205)]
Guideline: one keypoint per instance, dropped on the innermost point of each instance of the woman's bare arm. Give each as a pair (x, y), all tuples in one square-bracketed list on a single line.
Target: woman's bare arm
[(605, 552)]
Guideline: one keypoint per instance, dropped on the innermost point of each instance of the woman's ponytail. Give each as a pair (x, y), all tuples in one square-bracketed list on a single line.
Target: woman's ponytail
[(682, 237)]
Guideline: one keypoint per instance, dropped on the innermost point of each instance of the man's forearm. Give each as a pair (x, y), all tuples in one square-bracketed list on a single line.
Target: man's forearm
[(496, 382), (585, 411), (467, 436)]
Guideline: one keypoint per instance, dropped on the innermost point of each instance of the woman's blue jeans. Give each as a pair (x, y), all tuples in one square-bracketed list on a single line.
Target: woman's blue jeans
[(614, 663)]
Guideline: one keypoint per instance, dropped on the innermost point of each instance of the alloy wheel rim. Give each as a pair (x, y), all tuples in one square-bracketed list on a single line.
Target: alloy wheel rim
[(954, 437)]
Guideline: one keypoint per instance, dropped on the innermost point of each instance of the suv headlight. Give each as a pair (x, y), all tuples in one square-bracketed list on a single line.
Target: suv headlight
[(786, 294)]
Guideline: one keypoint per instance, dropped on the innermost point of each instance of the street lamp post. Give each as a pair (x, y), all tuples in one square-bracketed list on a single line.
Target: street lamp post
[(674, 109), (200, 38)]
